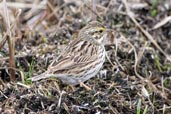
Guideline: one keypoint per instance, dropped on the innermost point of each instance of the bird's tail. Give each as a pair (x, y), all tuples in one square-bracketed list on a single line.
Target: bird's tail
[(39, 77)]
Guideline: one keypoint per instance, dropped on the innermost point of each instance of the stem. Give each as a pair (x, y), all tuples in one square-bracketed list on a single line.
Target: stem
[(12, 59), (10, 41), (94, 9)]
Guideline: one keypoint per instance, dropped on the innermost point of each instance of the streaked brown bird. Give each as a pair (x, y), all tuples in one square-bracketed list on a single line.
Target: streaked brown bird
[(82, 58)]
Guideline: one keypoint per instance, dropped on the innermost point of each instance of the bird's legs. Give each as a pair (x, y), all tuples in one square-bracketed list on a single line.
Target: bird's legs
[(85, 86)]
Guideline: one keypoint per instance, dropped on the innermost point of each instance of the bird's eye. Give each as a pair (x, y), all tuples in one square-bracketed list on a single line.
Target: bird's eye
[(101, 31)]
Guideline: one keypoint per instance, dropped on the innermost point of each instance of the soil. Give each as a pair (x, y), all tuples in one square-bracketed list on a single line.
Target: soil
[(135, 79)]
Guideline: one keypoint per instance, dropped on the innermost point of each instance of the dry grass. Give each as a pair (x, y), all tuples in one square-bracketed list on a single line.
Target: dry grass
[(135, 78)]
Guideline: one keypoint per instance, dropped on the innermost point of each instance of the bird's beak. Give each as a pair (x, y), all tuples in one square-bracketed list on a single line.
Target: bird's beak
[(108, 30)]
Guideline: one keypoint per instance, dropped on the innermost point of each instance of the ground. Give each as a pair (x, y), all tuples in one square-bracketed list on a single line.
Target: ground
[(135, 78)]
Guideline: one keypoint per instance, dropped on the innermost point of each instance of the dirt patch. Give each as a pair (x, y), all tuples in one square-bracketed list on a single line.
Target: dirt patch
[(135, 80)]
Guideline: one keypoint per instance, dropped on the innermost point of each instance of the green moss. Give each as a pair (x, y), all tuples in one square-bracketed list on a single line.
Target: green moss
[(139, 107), (157, 63), (153, 12), (166, 83), (154, 8)]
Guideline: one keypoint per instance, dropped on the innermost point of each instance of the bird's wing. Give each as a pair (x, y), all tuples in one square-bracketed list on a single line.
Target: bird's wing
[(78, 54), (66, 52)]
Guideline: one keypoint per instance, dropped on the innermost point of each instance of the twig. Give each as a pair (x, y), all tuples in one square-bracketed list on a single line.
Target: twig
[(10, 68), (116, 51), (139, 57), (30, 12), (54, 10), (136, 59), (162, 22), (113, 66), (66, 108), (130, 14), (3, 94), (60, 98), (97, 15), (7, 58), (24, 5), (23, 85), (4, 39), (93, 2), (10, 41)]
